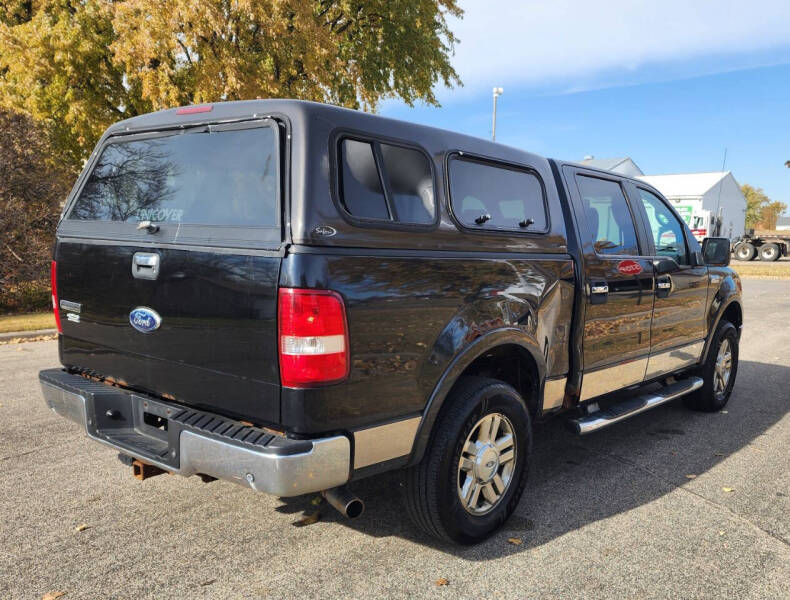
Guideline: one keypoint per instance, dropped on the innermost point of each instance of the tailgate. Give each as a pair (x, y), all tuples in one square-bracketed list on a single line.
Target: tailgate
[(185, 308)]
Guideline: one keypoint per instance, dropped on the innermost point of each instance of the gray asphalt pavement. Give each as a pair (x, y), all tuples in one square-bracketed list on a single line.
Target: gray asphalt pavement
[(614, 515)]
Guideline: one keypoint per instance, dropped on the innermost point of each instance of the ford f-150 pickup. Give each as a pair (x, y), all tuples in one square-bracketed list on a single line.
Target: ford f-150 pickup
[(292, 296)]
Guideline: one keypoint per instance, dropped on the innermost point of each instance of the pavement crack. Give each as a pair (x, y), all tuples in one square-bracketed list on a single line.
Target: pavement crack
[(682, 488), (33, 451)]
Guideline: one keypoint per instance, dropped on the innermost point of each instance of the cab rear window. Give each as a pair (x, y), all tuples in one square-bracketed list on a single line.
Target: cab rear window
[(206, 177)]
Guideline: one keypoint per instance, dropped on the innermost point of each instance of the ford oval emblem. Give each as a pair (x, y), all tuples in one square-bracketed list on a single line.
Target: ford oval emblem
[(145, 319)]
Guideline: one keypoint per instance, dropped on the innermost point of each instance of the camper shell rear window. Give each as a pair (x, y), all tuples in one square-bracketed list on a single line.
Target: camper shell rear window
[(205, 176), (208, 185)]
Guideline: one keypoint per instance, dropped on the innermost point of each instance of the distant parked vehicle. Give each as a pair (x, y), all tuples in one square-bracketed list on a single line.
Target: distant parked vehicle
[(768, 245)]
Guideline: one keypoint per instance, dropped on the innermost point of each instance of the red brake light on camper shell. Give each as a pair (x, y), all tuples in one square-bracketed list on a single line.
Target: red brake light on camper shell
[(191, 110), (53, 272), (313, 337)]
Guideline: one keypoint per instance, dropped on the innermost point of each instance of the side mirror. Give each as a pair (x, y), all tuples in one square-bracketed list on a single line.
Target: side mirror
[(664, 266), (716, 251)]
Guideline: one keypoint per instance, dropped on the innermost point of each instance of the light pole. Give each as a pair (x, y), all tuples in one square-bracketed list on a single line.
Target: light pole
[(498, 91)]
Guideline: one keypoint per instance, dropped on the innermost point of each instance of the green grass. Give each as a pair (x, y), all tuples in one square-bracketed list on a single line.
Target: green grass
[(28, 322)]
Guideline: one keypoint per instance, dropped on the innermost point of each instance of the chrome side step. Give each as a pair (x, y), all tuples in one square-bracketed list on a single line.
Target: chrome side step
[(633, 406)]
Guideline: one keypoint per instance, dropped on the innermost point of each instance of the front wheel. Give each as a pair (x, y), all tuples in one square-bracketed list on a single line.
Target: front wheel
[(475, 467), (718, 372)]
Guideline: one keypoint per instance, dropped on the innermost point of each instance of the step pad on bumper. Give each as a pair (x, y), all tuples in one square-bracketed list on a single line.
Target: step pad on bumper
[(189, 441)]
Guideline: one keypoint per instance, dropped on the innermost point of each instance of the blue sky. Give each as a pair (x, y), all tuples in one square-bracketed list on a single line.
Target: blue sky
[(670, 84)]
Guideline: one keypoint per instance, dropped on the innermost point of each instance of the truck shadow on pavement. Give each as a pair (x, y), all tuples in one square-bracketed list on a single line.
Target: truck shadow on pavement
[(575, 481)]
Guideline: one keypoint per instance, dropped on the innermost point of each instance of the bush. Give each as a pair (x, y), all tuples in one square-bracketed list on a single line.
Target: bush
[(25, 297), (32, 189)]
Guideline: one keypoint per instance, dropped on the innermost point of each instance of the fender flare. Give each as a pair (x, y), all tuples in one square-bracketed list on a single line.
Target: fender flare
[(728, 301), (458, 364)]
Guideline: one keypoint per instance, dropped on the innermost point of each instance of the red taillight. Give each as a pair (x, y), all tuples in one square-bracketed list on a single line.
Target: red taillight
[(53, 272), (313, 337), (191, 110)]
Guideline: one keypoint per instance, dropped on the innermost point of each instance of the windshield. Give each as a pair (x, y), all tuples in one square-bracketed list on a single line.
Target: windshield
[(201, 177)]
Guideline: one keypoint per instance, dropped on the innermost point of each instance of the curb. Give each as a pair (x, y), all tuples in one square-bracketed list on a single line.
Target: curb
[(12, 335)]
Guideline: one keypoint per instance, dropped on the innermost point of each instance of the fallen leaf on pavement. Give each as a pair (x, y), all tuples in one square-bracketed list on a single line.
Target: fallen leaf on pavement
[(442, 581), (514, 541), (208, 582), (721, 532), (309, 519), (718, 454), (727, 489), (53, 595), (82, 527), (691, 476)]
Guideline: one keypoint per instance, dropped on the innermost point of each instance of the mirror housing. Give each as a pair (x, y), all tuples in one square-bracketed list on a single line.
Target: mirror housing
[(716, 251), (664, 266)]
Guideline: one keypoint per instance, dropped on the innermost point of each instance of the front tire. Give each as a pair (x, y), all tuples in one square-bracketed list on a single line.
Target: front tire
[(718, 372), (474, 470)]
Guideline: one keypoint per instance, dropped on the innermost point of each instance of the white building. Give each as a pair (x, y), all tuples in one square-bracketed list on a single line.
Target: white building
[(702, 197), (783, 224)]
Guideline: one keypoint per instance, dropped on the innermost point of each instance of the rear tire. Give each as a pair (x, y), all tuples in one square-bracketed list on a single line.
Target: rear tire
[(769, 252), (469, 481), (745, 251), (718, 371)]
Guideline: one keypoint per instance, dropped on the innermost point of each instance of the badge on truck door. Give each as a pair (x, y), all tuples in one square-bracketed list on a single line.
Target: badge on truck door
[(629, 267)]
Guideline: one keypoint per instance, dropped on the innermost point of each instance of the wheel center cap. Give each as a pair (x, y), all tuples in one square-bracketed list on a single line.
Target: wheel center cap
[(486, 463)]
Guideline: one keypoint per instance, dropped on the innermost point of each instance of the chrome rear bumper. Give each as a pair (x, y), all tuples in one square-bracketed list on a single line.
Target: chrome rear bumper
[(196, 442)]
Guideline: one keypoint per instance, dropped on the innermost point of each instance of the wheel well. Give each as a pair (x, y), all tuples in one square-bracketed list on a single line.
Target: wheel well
[(513, 365), (734, 315)]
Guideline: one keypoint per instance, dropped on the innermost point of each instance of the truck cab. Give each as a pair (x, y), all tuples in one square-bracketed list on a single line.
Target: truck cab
[(293, 296)]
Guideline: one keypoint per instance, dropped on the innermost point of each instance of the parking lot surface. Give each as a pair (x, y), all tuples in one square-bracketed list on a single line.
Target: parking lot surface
[(669, 504)]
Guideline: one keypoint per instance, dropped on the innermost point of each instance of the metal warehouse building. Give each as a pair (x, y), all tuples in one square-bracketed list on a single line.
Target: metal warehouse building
[(702, 197)]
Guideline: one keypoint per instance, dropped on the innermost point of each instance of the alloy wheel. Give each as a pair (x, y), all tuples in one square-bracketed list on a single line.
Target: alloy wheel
[(487, 464)]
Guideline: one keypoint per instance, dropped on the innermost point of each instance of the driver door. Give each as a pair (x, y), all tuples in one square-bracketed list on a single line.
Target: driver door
[(677, 332)]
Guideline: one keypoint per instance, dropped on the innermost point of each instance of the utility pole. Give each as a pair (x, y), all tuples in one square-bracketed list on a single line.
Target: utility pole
[(498, 91)]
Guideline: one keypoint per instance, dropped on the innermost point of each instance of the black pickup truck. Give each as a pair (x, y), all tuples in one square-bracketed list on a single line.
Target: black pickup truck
[(292, 296)]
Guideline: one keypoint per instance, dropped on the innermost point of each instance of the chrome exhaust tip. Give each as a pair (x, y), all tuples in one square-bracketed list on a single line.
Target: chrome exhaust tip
[(344, 501)]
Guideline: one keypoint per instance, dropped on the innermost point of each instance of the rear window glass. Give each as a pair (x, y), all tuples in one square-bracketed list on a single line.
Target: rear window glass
[(487, 196), (203, 178), (386, 183)]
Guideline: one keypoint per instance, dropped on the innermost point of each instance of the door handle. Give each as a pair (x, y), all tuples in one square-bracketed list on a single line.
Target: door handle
[(145, 265), (599, 292)]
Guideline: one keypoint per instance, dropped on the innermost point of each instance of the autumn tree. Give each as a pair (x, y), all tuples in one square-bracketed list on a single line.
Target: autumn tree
[(761, 211), (77, 66), (31, 191)]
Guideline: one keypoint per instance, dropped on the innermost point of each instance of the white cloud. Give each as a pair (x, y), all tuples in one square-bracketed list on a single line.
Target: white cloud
[(572, 43)]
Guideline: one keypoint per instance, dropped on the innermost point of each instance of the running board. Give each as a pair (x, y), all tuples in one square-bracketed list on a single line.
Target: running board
[(633, 406)]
